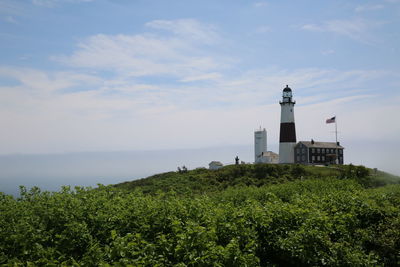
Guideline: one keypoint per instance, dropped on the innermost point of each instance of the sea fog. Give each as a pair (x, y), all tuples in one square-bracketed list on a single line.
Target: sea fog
[(51, 171)]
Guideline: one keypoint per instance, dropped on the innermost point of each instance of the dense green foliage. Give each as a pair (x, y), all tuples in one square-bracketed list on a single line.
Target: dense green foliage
[(334, 221), (205, 181)]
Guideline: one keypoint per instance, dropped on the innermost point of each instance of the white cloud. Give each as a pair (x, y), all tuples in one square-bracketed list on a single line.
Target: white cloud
[(263, 29), (250, 88), (41, 114), (369, 7), (180, 54), (328, 52), (187, 28), (260, 4), (52, 3), (312, 27), (37, 81), (356, 29), (11, 8), (207, 76)]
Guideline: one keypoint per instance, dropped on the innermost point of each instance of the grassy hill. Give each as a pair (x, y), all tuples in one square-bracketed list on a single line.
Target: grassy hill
[(246, 215), (202, 180)]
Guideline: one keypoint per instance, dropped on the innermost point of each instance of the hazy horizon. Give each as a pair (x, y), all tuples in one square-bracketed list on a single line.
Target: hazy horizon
[(51, 171)]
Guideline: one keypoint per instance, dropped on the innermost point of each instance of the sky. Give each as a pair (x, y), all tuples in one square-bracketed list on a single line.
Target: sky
[(150, 75)]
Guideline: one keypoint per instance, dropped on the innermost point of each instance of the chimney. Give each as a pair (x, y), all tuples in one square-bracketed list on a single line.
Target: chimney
[(312, 141)]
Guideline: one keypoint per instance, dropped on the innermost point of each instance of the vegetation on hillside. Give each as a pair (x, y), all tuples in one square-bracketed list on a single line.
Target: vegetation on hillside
[(202, 180), (322, 216)]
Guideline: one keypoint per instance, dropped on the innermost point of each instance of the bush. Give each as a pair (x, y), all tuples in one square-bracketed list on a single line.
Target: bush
[(304, 223)]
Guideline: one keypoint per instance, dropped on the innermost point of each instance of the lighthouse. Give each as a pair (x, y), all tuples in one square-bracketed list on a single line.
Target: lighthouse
[(287, 137)]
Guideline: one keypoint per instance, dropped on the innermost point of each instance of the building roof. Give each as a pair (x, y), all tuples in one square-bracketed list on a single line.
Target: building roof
[(216, 163), (269, 154), (320, 144)]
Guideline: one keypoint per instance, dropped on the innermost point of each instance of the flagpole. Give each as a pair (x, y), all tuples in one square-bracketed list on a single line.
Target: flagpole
[(337, 152)]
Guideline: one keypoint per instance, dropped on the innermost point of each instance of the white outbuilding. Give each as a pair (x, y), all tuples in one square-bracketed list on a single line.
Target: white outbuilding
[(215, 165)]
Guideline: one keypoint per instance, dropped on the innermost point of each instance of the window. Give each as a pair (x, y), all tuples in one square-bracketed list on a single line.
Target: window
[(313, 158), (340, 152), (313, 150), (303, 158), (318, 150), (323, 158), (303, 151), (298, 158), (323, 150), (319, 158)]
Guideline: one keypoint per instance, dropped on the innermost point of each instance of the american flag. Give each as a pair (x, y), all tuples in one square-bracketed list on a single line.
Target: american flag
[(331, 120)]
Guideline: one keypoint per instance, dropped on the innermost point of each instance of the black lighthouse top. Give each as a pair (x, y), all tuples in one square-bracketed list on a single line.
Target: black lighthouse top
[(287, 89), (287, 95)]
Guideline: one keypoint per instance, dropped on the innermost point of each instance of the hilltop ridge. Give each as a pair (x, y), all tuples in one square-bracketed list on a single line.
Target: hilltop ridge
[(202, 180)]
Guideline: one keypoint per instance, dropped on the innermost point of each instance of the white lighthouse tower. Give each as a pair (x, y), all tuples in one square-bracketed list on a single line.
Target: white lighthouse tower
[(260, 145), (287, 137)]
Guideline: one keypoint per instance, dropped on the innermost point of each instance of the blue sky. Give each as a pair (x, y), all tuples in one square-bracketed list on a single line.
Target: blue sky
[(81, 75)]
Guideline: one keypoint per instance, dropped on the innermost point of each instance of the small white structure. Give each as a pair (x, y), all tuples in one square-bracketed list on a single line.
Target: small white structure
[(260, 144), (270, 157), (215, 165)]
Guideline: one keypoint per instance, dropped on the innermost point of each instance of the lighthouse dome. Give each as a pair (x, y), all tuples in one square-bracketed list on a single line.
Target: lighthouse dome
[(287, 89)]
